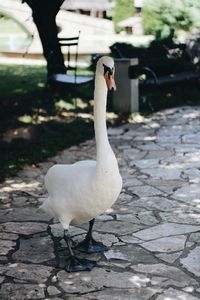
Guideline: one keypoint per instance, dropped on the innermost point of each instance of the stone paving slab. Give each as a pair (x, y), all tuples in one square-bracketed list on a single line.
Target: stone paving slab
[(152, 231)]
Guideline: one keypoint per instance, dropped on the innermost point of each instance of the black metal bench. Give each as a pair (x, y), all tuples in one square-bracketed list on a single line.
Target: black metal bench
[(71, 79), (159, 65), (169, 75)]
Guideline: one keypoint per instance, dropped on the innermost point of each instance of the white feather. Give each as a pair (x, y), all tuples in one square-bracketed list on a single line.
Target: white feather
[(85, 189)]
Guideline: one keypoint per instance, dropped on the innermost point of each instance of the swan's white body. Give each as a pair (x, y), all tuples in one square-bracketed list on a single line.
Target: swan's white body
[(86, 189)]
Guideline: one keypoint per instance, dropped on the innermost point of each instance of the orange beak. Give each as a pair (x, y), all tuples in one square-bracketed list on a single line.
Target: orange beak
[(110, 81)]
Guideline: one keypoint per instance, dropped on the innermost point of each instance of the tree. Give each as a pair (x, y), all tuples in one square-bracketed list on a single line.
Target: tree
[(123, 10), (44, 15), (163, 18)]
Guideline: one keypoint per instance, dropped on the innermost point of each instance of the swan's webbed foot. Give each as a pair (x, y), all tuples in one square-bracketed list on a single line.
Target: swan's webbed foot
[(76, 264), (79, 264), (91, 246)]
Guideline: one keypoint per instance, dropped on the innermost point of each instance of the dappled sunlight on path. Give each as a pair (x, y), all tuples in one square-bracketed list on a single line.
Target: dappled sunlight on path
[(152, 231)]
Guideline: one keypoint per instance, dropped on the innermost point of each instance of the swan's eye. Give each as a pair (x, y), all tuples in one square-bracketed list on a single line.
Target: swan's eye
[(108, 70)]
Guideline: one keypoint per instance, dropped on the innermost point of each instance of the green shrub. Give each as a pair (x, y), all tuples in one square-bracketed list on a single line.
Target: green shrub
[(163, 18), (123, 10)]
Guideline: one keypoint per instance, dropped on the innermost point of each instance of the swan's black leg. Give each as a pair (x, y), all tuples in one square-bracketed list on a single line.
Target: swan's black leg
[(89, 245), (75, 264)]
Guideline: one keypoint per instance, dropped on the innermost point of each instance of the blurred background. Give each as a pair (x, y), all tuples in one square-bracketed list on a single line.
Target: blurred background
[(37, 120)]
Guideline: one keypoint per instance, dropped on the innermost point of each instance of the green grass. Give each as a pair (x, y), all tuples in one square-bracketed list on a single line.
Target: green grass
[(26, 106)]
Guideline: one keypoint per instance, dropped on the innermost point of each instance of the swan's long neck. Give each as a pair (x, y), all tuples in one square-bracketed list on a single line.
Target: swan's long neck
[(100, 101)]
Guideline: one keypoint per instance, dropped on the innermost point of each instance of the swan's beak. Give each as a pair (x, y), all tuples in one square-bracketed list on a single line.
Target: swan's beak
[(110, 81)]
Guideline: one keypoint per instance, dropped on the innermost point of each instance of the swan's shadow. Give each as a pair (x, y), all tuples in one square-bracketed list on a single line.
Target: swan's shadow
[(63, 255)]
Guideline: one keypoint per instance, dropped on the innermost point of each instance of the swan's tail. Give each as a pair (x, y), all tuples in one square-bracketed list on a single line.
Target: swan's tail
[(46, 207)]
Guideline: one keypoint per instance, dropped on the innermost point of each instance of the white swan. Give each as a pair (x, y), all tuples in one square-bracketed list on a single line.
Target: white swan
[(81, 191)]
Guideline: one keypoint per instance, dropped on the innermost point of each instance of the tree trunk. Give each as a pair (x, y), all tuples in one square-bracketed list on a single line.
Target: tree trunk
[(44, 15)]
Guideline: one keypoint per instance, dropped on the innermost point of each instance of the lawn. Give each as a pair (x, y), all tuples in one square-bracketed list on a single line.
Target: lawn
[(36, 123)]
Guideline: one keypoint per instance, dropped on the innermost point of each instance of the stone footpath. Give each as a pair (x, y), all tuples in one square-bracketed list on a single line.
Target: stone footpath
[(153, 230)]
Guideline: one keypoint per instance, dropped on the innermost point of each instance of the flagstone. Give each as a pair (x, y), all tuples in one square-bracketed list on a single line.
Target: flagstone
[(164, 230)]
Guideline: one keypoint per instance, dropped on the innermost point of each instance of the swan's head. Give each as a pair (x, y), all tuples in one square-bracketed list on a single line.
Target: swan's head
[(106, 69)]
